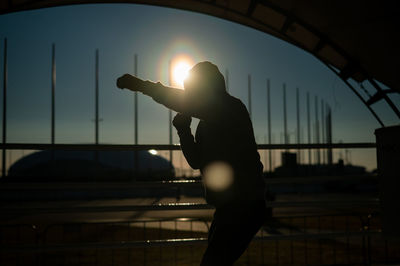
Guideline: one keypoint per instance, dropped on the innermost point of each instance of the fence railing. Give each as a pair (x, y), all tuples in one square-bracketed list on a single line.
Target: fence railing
[(116, 147), (322, 239), (343, 238)]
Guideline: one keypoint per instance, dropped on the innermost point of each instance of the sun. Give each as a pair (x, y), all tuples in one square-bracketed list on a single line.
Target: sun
[(180, 72), (180, 67)]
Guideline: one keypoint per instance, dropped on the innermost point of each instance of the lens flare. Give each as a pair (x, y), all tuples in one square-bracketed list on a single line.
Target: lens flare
[(218, 176), (153, 152), (179, 69), (180, 72), (178, 50)]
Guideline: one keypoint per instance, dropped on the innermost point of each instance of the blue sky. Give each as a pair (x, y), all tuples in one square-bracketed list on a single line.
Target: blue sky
[(157, 34)]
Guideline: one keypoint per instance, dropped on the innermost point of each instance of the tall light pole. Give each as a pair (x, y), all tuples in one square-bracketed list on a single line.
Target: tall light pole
[(136, 129), (285, 134), (53, 91), (269, 123), (136, 101), (308, 127), (96, 105), (317, 129), (249, 94), (170, 113), (298, 123), (4, 107)]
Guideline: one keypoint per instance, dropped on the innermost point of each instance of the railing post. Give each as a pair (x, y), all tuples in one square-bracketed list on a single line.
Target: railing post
[(369, 240), (144, 248), (277, 251), (305, 242), (334, 242)]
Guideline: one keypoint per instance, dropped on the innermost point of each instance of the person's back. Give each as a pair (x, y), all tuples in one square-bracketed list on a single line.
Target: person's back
[(230, 141)]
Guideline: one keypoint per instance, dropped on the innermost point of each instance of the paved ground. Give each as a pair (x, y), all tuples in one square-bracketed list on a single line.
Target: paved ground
[(28, 215)]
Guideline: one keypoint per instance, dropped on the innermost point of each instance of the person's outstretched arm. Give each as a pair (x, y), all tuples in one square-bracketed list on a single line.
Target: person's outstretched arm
[(189, 147), (172, 98)]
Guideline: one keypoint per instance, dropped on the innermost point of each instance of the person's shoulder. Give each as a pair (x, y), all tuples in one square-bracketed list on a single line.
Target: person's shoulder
[(236, 104)]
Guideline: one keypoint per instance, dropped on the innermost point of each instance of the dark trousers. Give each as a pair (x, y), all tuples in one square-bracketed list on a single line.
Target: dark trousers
[(232, 230)]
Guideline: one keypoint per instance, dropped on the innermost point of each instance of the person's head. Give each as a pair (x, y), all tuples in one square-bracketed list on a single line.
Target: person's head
[(204, 81)]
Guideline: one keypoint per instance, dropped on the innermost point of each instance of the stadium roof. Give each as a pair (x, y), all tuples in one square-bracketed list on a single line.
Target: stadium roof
[(357, 39)]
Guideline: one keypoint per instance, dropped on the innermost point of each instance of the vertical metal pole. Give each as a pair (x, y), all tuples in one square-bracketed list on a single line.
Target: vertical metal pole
[(285, 137), (298, 123), (170, 135), (317, 129), (329, 134), (227, 80), (323, 128), (136, 102), (97, 97), (305, 242), (53, 91), (277, 251), (249, 93), (308, 127), (170, 113), (265, 154), (273, 157), (4, 107), (269, 124), (136, 115)]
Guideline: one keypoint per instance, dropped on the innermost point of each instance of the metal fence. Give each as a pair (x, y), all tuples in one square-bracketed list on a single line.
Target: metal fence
[(306, 240), (348, 233)]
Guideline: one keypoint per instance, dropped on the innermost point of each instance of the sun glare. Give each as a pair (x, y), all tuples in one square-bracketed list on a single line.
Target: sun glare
[(180, 70)]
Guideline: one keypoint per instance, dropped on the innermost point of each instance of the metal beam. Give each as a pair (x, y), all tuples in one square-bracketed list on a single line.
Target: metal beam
[(252, 6), (166, 147), (52, 186), (385, 97), (357, 94), (374, 202), (379, 95), (178, 242), (288, 22)]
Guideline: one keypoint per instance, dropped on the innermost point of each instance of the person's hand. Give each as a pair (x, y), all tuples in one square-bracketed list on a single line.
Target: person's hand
[(129, 82), (181, 121)]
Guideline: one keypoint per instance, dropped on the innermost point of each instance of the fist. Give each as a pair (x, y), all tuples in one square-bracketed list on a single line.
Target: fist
[(181, 121), (129, 82)]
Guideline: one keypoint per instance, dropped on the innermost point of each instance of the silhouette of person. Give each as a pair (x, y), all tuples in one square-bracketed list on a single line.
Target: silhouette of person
[(225, 151)]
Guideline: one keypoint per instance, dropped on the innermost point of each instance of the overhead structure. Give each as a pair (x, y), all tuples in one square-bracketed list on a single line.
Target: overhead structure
[(356, 39)]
